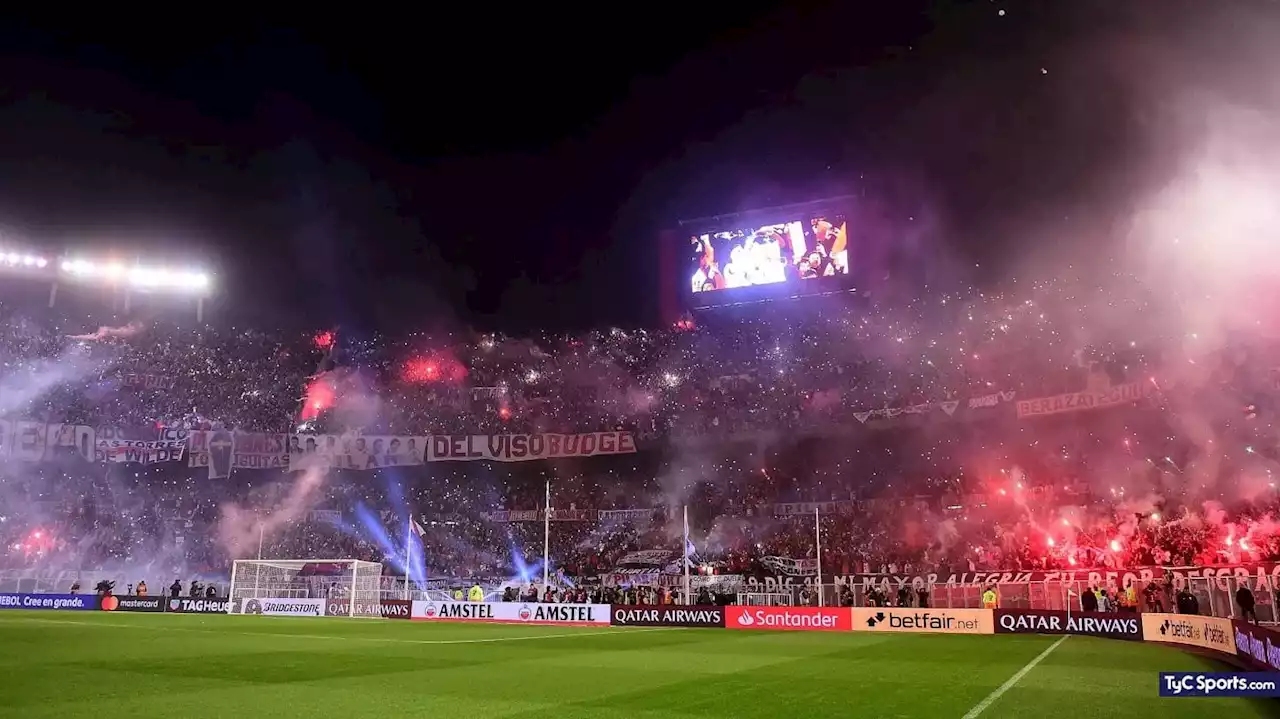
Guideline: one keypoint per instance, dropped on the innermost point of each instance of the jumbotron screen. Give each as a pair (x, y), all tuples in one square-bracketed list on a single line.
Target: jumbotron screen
[(802, 256)]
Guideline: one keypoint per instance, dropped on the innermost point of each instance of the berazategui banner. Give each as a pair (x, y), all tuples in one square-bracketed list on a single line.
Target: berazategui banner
[(1081, 401)]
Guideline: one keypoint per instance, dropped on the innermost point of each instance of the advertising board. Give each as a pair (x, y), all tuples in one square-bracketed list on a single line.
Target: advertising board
[(835, 619), (61, 602), (130, 603), (513, 612), (185, 605), (1045, 621), (279, 606), (623, 615), (1196, 631), (906, 619)]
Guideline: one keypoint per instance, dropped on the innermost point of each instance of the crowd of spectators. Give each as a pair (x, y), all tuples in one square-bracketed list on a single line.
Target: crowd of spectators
[(736, 414)]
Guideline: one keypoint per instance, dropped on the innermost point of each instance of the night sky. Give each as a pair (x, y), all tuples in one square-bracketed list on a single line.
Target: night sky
[(510, 169)]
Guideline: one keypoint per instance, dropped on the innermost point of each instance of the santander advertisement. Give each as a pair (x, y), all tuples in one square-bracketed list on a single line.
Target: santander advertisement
[(833, 619)]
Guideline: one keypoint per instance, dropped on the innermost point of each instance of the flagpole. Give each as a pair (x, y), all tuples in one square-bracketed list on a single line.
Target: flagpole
[(686, 555), (546, 540), (817, 542), (408, 553), (261, 530)]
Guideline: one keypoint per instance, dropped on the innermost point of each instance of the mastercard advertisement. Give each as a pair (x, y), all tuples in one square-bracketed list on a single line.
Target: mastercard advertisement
[(129, 603)]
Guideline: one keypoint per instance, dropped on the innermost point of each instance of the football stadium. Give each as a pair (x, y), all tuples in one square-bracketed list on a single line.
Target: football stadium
[(955, 395)]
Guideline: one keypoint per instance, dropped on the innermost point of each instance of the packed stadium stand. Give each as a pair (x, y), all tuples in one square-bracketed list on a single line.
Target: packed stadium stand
[(965, 432)]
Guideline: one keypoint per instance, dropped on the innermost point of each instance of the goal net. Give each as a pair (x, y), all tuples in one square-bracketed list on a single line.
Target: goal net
[(306, 587)]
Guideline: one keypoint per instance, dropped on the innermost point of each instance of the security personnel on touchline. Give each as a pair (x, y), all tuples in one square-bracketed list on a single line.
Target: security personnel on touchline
[(457, 595), (475, 594), (989, 598)]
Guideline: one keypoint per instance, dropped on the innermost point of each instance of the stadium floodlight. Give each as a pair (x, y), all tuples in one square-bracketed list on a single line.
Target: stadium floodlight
[(27, 260), (138, 277)]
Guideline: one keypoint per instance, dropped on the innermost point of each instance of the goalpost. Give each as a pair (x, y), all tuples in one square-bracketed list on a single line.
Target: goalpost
[(347, 587)]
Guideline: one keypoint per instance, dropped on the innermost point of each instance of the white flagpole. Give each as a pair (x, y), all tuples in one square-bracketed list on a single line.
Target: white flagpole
[(817, 542), (261, 531), (408, 553), (686, 555), (546, 540)]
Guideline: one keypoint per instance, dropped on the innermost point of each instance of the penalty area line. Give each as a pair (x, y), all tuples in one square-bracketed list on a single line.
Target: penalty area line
[(281, 635), (1000, 690)]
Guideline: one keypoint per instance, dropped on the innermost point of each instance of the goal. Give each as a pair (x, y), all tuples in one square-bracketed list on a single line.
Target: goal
[(329, 587)]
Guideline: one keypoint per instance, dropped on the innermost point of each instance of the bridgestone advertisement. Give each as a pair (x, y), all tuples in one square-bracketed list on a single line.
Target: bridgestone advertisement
[(198, 606), (129, 603), (511, 612), (280, 607), (666, 616), (1043, 621)]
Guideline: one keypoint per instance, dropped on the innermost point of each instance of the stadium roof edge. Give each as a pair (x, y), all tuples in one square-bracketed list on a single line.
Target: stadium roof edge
[(761, 210)]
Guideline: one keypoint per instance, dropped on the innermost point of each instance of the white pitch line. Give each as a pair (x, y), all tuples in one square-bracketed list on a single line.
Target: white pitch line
[(277, 635), (1000, 690)]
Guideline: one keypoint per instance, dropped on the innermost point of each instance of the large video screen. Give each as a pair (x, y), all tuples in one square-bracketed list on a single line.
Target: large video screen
[(796, 252)]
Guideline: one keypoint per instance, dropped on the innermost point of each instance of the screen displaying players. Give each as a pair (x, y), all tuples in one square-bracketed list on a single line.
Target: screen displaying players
[(774, 254)]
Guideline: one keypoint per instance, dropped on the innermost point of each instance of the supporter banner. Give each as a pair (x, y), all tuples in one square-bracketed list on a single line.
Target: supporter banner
[(221, 451), (325, 516), (1259, 575), (351, 451), (1044, 621), (791, 567), (1258, 646), (626, 515), (28, 441), (523, 447), (633, 577), (800, 618), (198, 606), (130, 603), (536, 515), (1204, 632), (280, 607), (146, 381), (64, 602), (1080, 401), (666, 616), (806, 509), (136, 446), (512, 612), (647, 558), (990, 400), (905, 619)]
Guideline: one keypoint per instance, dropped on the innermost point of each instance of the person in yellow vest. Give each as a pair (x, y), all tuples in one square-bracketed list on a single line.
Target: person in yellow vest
[(475, 594), (142, 588), (989, 599), (457, 595), (1131, 596)]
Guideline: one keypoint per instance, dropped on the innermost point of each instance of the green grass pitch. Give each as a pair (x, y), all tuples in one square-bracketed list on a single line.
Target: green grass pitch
[(81, 665)]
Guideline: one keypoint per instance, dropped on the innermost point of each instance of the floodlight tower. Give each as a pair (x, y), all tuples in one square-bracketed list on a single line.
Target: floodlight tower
[(135, 278)]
